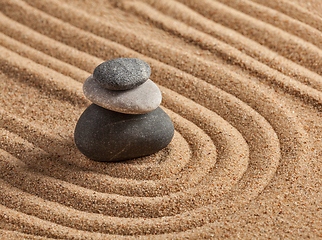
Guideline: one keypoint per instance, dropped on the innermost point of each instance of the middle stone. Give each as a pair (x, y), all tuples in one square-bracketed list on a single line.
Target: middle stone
[(142, 99)]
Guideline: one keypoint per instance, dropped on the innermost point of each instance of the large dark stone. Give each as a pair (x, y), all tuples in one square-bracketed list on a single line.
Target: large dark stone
[(105, 135), (122, 73)]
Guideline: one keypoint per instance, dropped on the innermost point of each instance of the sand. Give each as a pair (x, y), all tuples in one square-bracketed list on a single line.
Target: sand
[(241, 81)]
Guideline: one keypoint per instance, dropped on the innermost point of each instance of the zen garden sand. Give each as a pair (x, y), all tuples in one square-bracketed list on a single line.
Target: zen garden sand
[(241, 82)]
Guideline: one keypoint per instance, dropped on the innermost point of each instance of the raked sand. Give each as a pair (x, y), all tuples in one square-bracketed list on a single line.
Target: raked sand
[(241, 81)]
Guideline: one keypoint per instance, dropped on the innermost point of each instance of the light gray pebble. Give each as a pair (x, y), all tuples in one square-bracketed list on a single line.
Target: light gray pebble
[(142, 99)]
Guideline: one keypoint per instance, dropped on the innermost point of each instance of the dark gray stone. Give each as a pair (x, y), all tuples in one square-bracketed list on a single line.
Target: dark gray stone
[(105, 135), (122, 73)]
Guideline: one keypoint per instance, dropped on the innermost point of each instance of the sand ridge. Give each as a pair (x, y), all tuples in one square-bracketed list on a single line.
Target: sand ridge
[(241, 82)]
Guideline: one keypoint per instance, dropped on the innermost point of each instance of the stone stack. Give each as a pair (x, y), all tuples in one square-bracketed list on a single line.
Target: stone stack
[(125, 120)]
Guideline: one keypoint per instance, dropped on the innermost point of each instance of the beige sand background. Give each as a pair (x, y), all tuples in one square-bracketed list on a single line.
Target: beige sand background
[(241, 80)]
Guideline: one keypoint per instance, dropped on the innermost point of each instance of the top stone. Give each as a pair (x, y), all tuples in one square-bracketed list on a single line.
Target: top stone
[(122, 73)]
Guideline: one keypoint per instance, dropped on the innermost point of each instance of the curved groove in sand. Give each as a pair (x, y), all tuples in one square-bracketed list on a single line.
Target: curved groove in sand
[(288, 45), (295, 11), (43, 59), (277, 19), (236, 93)]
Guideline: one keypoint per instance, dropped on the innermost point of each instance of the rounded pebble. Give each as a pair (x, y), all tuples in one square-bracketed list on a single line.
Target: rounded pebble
[(122, 73), (104, 135), (142, 99)]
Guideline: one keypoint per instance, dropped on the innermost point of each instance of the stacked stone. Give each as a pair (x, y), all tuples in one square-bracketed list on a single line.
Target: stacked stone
[(125, 120)]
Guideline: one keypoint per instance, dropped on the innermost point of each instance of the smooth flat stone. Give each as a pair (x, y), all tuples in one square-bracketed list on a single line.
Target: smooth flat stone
[(142, 99), (104, 135), (122, 73)]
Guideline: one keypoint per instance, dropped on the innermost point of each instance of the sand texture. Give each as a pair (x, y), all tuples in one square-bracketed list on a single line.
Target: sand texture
[(241, 81)]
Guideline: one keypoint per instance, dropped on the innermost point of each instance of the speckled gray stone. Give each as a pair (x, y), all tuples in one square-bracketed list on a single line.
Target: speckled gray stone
[(104, 135), (142, 99), (122, 73)]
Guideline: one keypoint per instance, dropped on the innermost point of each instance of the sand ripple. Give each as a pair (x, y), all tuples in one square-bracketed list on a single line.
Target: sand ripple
[(241, 81)]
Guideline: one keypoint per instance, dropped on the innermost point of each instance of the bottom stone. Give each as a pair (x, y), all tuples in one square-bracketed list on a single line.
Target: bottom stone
[(104, 135)]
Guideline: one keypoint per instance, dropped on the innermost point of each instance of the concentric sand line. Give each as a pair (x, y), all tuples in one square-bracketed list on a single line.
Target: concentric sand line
[(288, 45), (240, 81), (276, 18)]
